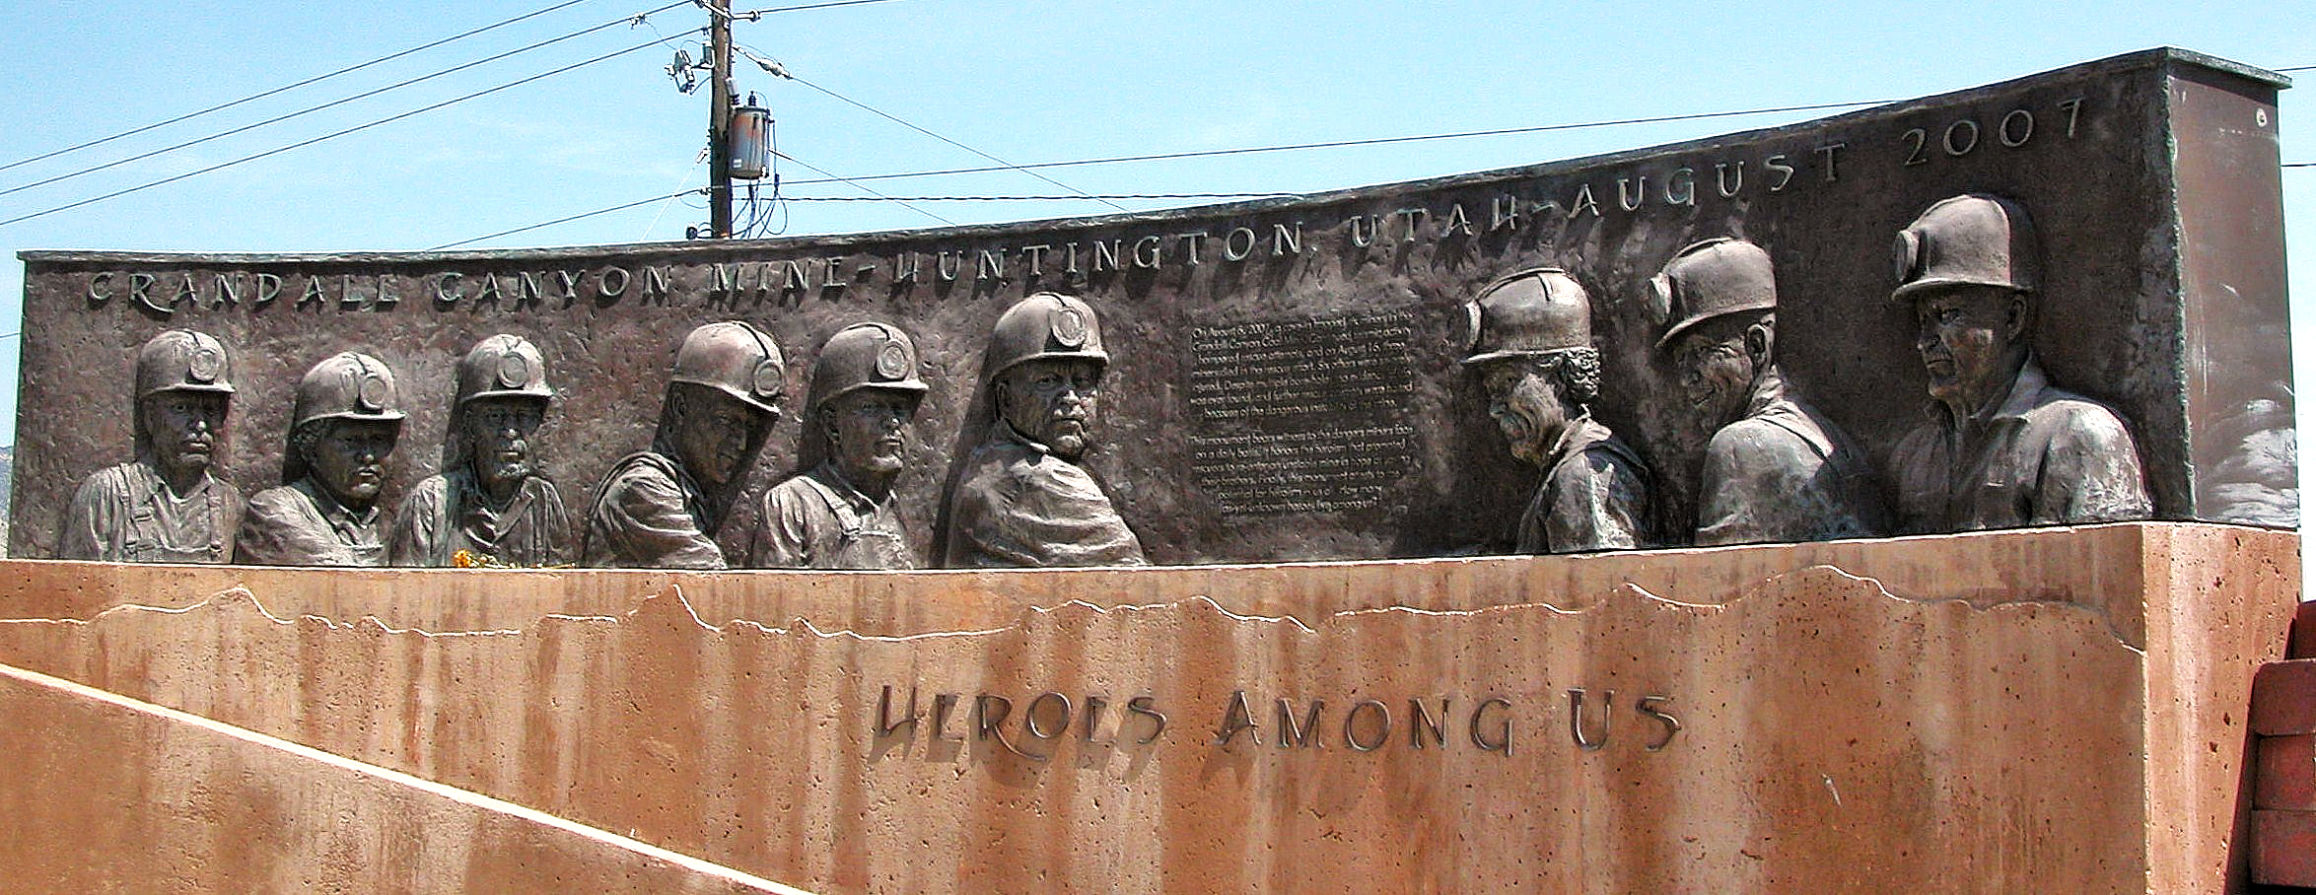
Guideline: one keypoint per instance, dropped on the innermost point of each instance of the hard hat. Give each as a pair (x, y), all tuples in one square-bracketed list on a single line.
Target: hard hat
[(183, 361), (1973, 240), (1047, 324), (734, 358), (503, 366), (1527, 313), (1713, 278), (864, 355), (347, 386)]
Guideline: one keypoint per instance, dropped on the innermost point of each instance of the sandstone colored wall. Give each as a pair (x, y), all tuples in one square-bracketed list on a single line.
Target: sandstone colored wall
[(2058, 710), (107, 794)]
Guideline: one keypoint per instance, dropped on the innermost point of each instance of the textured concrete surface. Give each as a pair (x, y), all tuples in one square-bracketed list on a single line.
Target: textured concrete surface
[(2062, 710), (108, 794)]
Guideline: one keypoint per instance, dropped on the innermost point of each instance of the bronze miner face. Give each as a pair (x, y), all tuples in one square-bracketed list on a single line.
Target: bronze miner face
[(1051, 400), (868, 431), (1966, 336), (498, 433), (715, 435), (1524, 400), (349, 459), (1716, 369), (182, 427)]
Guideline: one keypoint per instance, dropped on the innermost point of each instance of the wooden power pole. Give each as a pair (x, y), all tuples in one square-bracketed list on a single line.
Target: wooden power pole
[(720, 118)]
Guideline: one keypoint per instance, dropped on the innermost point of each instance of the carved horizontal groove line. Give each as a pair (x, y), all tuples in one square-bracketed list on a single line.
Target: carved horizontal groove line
[(1725, 597)]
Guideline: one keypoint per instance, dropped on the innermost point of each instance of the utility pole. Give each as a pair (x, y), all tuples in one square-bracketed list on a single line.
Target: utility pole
[(719, 118)]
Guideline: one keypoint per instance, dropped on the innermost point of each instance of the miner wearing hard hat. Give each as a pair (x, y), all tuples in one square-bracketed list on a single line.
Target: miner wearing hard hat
[(165, 505), (344, 425), (1024, 499), (2002, 448), (661, 508), (1530, 343), (841, 513), (1774, 468), (489, 502)]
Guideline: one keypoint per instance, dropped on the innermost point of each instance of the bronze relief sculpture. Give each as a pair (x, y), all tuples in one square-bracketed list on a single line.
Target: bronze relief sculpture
[(344, 425), (1774, 468), (660, 508), (1531, 345), (841, 514), (1024, 499), (489, 501), (2002, 448), (164, 505)]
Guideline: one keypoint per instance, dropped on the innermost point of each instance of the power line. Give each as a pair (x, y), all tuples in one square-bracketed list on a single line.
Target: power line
[(339, 102), (863, 188), (758, 14), (589, 214), (329, 136), (288, 87), (781, 71), (1104, 198), (896, 120), (1335, 144), (2294, 68), (904, 201)]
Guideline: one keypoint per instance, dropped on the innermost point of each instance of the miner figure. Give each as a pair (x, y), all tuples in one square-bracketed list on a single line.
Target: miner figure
[(1023, 498), (164, 506), (840, 514), (2002, 447), (343, 426), (1531, 347), (489, 502), (1774, 468), (661, 508)]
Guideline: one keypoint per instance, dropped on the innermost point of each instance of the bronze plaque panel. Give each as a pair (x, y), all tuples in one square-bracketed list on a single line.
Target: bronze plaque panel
[(1286, 379)]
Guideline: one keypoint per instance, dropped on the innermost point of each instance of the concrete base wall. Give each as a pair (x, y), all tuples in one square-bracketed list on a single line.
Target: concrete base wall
[(108, 794), (2057, 710)]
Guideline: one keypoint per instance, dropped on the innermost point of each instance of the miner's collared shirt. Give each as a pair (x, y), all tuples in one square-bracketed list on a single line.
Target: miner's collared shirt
[(1019, 505), (1785, 473), (127, 514), (2043, 456), (818, 520), (299, 525), (1594, 496), (648, 514), (450, 512)]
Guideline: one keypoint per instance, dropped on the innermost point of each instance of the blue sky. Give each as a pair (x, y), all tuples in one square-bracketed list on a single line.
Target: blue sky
[(1028, 82)]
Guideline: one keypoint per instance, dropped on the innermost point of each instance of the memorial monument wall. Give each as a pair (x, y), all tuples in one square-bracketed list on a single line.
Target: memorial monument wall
[(2041, 325), (1284, 378), (2053, 710)]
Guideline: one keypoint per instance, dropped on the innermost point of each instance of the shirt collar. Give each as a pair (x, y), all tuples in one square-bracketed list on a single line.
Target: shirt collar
[(1579, 432), (832, 480), (149, 471), (1007, 428), (334, 512), (2026, 390), (1768, 392)]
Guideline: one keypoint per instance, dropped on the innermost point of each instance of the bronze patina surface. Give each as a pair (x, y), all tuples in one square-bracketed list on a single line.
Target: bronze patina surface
[(1284, 380)]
